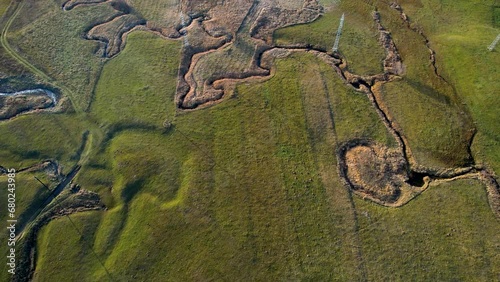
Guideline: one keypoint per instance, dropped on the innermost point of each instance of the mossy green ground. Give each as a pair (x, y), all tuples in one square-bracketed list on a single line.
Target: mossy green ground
[(136, 86), (359, 40), (4, 4), (244, 190), (447, 234)]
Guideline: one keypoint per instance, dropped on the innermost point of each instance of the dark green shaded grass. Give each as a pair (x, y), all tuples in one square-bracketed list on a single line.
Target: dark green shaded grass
[(447, 234), (436, 130)]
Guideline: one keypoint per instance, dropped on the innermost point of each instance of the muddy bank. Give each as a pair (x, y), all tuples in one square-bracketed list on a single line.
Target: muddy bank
[(13, 104)]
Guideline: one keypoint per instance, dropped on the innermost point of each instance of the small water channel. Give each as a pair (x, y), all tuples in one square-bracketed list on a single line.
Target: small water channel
[(38, 91)]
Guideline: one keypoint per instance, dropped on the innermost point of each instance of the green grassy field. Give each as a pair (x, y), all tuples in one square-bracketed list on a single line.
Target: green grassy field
[(138, 86), (464, 59), (447, 234), (460, 40), (81, 236), (359, 40), (41, 137), (71, 61), (249, 189), (250, 184), (436, 130), (219, 188)]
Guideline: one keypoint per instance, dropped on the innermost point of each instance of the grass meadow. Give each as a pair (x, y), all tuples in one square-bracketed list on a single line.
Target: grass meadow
[(248, 189)]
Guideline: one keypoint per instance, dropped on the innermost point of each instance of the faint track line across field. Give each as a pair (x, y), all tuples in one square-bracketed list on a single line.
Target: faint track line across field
[(11, 52)]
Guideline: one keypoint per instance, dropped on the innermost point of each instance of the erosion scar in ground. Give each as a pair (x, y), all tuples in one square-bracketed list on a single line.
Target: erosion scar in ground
[(245, 36)]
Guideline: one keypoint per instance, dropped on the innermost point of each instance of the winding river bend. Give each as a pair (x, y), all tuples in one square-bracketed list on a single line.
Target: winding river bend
[(38, 91), (26, 101)]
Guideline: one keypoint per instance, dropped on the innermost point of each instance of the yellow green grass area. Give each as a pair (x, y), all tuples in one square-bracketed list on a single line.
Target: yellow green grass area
[(359, 40), (31, 139), (138, 86), (4, 4), (52, 41), (446, 234), (75, 245), (237, 190)]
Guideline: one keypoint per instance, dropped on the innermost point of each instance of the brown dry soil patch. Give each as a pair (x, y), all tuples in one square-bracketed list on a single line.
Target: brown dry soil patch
[(374, 170)]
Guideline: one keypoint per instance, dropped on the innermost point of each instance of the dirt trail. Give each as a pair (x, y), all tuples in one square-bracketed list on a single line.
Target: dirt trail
[(16, 56)]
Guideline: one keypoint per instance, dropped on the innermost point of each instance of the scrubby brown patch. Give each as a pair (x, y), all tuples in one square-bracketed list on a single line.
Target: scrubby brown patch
[(208, 68), (111, 32), (11, 106), (223, 23), (374, 170), (274, 17)]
